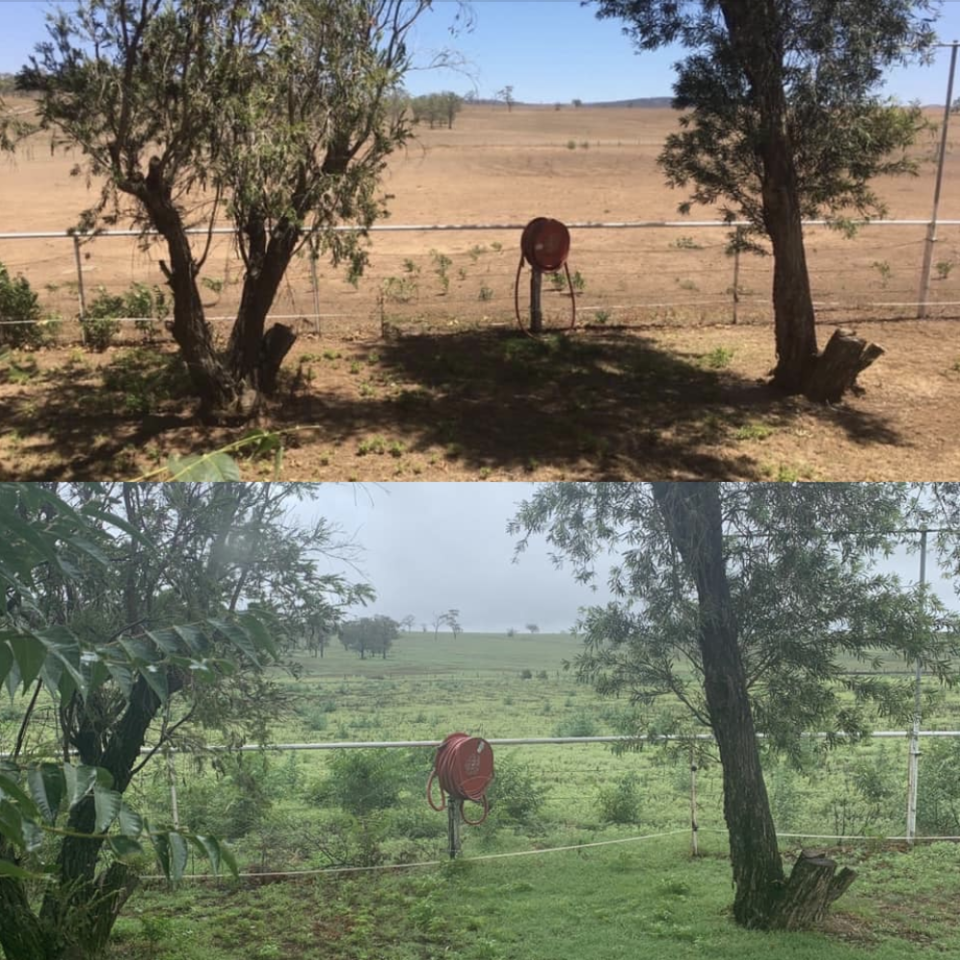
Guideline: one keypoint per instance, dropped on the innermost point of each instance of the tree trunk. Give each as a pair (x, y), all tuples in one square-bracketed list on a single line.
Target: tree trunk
[(693, 519), (252, 358), (22, 935), (846, 356), (217, 390)]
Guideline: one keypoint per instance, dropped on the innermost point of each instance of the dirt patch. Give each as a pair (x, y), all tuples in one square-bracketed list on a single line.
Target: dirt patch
[(490, 404)]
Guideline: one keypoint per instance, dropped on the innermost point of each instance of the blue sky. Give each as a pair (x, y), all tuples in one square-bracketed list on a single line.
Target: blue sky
[(548, 50)]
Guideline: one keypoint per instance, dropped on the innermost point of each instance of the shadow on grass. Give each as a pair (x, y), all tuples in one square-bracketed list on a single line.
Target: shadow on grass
[(607, 405)]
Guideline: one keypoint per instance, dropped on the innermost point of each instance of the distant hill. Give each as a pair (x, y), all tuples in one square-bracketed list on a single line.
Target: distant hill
[(656, 103)]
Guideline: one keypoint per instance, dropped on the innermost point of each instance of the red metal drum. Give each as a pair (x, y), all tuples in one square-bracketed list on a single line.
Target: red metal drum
[(545, 244)]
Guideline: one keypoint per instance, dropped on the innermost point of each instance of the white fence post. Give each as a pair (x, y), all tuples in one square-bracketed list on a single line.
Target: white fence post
[(81, 293), (932, 231), (913, 761)]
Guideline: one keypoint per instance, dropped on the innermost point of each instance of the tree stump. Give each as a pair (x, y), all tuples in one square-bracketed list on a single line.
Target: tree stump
[(277, 342), (812, 887), (846, 356)]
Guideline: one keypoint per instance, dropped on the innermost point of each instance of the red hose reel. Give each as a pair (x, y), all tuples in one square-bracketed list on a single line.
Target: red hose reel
[(464, 768), (545, 246)]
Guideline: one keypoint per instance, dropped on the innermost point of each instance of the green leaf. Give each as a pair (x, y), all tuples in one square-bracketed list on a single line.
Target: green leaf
[(193, 637), (161, 846), (47, 788), (166, 640), (156, 678), (237, 634), (6, 662), (32, 835), (208, 847), (29, 653), (204, 468), (178, 855), (80, 780), (131, 823), (126, 848), (9, 869), (10, 788), (11, 824), (108, 804), (261, 636), (122, 677)]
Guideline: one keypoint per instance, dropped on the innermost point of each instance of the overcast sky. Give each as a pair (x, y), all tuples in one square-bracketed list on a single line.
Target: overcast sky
[(428, 547)]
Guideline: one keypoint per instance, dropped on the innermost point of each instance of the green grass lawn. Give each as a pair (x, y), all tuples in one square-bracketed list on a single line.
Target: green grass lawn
[(643, 900)]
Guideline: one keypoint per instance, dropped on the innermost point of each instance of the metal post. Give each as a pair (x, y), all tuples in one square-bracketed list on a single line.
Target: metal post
[(932, 231), (736, 285), (914, 758), (172, 781), (536, 311), (81, 293), (315, 284), (454, 809), (694, 826)]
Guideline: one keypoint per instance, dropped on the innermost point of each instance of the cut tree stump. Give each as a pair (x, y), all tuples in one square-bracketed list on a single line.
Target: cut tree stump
[(812, 887), (846, 356)]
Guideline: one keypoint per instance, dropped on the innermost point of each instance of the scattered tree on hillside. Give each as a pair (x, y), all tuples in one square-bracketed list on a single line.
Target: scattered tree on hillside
[(449, 618), (436, 108), (275, 115), (407, 622), (374, 635), (783, 122), (506, 95), (512, 632), (709, 582), (148, 611), (532, 628), (577, 102)]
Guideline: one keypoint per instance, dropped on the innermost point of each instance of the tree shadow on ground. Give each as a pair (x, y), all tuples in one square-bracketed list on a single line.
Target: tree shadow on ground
[(607, 405)]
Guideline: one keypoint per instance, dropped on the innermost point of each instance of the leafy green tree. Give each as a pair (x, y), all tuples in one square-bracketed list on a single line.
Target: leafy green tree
[(374, 635), (746, 603), (142, 612), (782, 122), (277, 115)]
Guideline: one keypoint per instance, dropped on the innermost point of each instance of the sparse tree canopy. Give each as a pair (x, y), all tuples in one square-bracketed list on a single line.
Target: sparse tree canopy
[(436, 108), (783, 121), (449, 618), (276, 114), (532, 628), (506, 95), (743, 602)]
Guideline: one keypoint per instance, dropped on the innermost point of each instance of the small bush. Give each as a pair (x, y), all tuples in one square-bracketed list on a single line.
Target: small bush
[(362, 781), (20, 307), (579, 725), (621, 802), (516, 795), (145, 378), (100, 323), (526, 674)]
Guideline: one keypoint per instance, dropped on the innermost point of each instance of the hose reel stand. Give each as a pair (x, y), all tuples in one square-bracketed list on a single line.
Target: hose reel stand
[(545, 246), (463, 767)]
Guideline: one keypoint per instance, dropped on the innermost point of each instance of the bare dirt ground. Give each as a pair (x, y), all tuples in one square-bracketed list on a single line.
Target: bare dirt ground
[(659, 385)]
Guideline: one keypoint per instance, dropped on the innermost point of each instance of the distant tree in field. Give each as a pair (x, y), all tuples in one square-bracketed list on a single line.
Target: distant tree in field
[(407, 622), (449, 618), (532, 628), (511, 632), (577, 102), (275, 116), (506, 95), (373, 635), (423, 627), (709, 583), (783, 122)]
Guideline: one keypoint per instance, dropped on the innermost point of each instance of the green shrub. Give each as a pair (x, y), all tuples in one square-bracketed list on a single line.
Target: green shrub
[(145, 378), (516, 795), (621, 802), (361, 781), (20, 307), (938, 802), (578, 725), (101, 323)]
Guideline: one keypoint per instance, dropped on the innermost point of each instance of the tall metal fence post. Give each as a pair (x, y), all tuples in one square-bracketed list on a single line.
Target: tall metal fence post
[(913, 762), (736, 284), (926, 270), (453, 827), (81, 293), (315, 284), (694, 826)]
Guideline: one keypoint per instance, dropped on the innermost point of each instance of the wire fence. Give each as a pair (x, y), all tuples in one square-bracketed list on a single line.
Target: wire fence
[(445, 276), (581, 799)]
